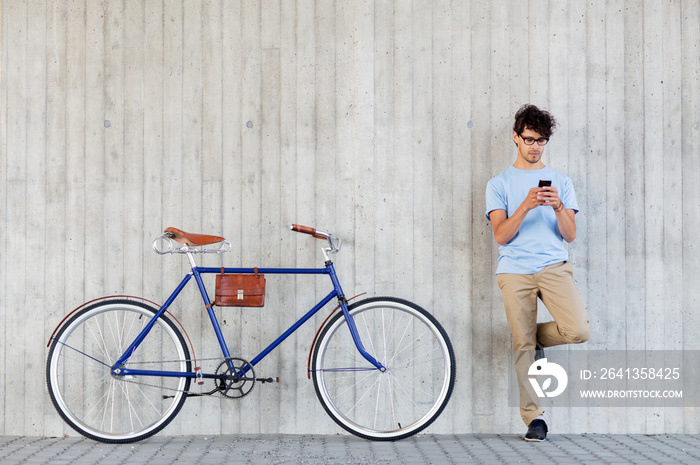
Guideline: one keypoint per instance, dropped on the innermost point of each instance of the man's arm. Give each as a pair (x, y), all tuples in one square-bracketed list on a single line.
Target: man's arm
[(566, 219), (567, 224), (504, 228)]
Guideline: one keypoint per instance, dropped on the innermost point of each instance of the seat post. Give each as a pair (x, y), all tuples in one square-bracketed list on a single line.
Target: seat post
[(191, 257)]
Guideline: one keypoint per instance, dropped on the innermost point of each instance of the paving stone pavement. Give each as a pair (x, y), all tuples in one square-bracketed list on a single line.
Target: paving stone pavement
[(349, 450)]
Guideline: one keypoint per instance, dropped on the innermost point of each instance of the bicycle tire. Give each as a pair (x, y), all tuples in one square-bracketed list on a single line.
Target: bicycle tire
[(108, 408), (409, 395)]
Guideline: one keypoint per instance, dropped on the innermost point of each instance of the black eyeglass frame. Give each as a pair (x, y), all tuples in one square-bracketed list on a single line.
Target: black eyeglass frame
[(542, 141)]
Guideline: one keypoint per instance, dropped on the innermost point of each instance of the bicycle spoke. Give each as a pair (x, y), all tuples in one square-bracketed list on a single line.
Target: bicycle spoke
[(403, 335), (367, 391), (99, 341), (425, 354), (351, 388)]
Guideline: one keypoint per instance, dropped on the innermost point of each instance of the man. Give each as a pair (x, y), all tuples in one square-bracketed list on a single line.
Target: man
[(530, 224)]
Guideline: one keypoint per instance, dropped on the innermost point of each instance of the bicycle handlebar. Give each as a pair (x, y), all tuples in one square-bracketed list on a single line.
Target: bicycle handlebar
[(311, 231), (333, 241)]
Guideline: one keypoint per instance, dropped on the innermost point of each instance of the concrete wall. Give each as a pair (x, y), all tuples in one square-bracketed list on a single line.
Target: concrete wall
[(379, 121)]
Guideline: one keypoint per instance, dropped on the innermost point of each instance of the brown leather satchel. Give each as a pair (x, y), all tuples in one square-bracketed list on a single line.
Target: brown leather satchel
[(240, 290)]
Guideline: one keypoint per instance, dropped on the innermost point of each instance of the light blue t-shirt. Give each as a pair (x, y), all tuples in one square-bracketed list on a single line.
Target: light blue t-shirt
[(537, 243)]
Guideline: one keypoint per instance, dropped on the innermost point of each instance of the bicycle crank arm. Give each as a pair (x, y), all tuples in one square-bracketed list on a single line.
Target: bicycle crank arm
[(195, 394), (227, 377), (240, 378)]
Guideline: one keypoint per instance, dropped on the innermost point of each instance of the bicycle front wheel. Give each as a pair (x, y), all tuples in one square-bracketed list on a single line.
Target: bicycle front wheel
[(106, 407), (419, 376)]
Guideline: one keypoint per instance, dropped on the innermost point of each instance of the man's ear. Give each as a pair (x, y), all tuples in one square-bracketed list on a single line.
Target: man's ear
[(515, 137)]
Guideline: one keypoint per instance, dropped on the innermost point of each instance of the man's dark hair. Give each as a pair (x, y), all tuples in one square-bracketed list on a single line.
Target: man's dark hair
[(532, 118)]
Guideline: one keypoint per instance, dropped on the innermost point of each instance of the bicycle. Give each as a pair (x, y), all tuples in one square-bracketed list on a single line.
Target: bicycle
[(119, 368)]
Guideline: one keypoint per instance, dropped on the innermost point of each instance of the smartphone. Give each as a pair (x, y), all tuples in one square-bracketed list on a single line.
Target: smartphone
[(545, 182)]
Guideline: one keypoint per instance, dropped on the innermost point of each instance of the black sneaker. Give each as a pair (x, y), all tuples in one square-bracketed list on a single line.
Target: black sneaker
[(537, 431), (539, 352)]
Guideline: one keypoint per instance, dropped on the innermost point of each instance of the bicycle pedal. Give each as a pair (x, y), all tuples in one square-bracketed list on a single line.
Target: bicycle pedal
[(200, 377), (269, 380)]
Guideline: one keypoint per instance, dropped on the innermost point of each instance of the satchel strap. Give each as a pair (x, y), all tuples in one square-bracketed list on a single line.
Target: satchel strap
[(257, 275)]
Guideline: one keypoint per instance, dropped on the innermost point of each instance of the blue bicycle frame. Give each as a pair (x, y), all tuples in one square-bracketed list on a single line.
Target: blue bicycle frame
[(197, 272)]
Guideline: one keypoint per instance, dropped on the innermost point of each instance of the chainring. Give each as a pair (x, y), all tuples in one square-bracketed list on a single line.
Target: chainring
[(237, 381)]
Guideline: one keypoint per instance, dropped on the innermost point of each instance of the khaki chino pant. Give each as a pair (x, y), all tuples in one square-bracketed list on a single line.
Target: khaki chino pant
[(554, 285)]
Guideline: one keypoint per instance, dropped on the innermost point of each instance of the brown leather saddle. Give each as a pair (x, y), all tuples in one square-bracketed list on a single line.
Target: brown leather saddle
[(192, 239)]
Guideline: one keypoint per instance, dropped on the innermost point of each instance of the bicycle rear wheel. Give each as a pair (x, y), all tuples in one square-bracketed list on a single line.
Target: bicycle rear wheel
[(419, 376), (109, 408)]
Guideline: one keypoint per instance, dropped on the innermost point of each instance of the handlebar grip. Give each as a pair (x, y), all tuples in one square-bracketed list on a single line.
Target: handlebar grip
[(308, 230)]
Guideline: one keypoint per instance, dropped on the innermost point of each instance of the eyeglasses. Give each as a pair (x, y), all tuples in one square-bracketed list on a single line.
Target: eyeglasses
[(531, 140)]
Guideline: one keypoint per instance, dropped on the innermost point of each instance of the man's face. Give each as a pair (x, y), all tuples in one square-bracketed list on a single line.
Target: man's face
[(530, 154)]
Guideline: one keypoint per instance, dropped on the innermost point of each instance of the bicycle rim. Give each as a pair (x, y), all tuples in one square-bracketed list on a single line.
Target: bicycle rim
[(419, 376), (109, 408)]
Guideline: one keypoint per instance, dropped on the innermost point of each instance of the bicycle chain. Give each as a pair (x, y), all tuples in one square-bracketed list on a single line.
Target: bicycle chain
[(166, 387), (176, 361)]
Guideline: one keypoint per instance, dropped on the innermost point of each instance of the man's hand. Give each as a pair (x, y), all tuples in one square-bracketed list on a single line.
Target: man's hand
[(549, 197), (534, 199)]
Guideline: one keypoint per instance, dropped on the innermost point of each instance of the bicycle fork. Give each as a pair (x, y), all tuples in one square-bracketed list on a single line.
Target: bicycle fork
[(342, 301)]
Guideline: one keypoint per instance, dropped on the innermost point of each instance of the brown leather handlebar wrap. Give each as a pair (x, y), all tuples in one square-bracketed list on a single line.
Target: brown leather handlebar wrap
[(307, 230)]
